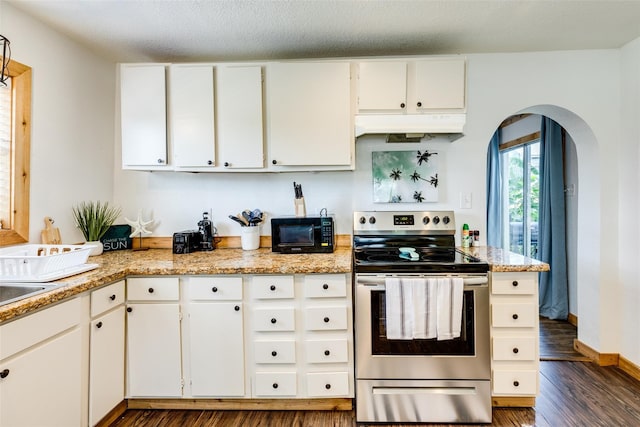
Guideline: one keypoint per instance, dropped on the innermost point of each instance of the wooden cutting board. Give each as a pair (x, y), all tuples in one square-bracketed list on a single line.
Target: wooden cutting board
[(50, 235)]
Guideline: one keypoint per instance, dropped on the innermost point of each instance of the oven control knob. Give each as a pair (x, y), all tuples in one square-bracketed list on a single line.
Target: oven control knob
[(436, 219), (362, 220), (426, 220), (446, 220), (372, 220)]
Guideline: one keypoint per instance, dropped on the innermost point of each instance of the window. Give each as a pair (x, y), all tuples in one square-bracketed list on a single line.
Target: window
[(521, 180), (15, 141)]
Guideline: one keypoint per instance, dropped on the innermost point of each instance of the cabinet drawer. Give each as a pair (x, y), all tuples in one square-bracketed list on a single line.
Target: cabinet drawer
[(275, 351), (327, 351), (521, 382), (106, 298), (514, 348), (326, 318), (274, 319), (276, 384), (23, 333), (153, 289), (322, 384), (505, 315), (325, 286), (215, 288), (514, 284), (272, 287)]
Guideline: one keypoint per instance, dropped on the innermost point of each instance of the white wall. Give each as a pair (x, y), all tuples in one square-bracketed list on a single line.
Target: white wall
[(72, 129)]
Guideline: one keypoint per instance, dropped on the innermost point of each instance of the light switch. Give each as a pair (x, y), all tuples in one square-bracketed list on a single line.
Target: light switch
[(465, 200)]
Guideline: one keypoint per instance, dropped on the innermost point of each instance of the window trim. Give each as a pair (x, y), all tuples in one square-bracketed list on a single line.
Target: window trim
[(21, 151)]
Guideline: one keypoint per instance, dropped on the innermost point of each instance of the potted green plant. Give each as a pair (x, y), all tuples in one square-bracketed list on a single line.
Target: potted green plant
[(94, 219)]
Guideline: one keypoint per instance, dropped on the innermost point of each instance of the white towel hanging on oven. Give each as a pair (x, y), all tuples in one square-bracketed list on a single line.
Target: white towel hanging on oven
[(398, 309), (450, 292), (425, 308)]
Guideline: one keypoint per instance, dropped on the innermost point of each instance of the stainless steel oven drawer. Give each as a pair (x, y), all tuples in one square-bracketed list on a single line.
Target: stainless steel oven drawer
[(423, 401)]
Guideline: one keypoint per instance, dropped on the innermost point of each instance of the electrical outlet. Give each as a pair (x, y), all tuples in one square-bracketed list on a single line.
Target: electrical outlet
[(465, 200)]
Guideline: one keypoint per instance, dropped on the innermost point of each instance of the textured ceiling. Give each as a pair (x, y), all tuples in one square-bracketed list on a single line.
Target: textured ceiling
[(227, 30)]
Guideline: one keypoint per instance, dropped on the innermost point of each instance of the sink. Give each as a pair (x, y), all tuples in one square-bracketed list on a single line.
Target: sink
[(10, 292)]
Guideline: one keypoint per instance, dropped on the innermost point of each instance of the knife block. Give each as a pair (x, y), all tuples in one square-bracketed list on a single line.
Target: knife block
[(299, 208)]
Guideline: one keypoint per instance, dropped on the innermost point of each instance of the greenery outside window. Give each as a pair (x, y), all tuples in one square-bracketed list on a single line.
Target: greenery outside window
[(15, 142)]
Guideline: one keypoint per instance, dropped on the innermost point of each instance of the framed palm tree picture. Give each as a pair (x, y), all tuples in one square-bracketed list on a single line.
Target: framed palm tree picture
[(405, 176)]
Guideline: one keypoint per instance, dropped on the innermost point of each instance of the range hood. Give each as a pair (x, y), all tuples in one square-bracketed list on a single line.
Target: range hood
[(412, 126)]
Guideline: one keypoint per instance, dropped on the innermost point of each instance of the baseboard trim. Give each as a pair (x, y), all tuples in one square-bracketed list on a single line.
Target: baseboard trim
[(572, 319), (629, 367), (513, 402), (334, 404), (602, 359), (113, 415)]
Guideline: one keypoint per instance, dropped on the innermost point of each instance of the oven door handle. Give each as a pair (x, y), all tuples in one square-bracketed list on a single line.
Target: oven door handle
[(379, 283)]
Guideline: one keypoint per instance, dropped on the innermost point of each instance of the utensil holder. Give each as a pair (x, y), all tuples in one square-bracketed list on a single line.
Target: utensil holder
[(299, 207), (250, 238)]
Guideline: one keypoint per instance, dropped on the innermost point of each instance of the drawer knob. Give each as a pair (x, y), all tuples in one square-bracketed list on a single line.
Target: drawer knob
[(273, 320), (236, 308), (419, 104), (327, 352), (515, 350), (516, 383), (325, 286), (515, 316), (274, 353), (150, 290), (214, 289), (99, 325), (275, 385), (402, 105), (112, 297), (4, 373), (272, 287), (327, 386), (129, 309), (514, 283), (326, 320)]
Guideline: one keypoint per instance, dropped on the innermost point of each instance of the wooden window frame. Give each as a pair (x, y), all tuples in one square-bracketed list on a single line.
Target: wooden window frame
[(21, 156)]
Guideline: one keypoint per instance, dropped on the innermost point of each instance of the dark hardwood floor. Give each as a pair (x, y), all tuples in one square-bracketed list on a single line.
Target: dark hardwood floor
[(572, 394)]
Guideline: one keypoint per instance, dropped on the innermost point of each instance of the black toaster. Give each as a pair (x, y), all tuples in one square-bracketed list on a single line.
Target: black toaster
[(185, 242)]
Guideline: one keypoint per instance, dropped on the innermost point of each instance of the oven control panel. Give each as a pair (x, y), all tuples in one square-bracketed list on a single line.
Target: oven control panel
[(380, 222)]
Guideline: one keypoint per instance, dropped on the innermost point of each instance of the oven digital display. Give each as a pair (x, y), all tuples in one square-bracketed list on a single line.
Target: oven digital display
[(403, 220)]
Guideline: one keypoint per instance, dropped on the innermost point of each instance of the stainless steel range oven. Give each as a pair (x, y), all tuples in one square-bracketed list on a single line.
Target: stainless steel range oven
[(421, 321)]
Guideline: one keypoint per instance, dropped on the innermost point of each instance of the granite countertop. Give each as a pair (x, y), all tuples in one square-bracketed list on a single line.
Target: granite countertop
[(117, 265)]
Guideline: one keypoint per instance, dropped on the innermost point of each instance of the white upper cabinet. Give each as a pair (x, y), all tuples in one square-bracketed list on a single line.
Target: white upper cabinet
[(239, 117), (309, 115), (191, 108), (143, 116), (412, 87)]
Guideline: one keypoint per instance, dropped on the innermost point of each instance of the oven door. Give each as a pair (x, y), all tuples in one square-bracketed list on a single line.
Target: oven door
[(466, 357)]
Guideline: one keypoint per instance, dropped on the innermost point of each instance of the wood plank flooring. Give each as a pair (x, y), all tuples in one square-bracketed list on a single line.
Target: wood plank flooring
[(556, 341)]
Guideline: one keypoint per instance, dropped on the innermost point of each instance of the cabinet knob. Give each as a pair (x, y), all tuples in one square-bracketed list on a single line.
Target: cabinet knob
[(325, 286), (273, 320), (516, 383), (515, 350), (275, 385), (272, 287), (327, 352), (326, 320), (402, 105), (226, 164), (515, 316), (99, 325), (150, 290), (274, 353), (327, 386), (160, 161), (4, 373), (514, 283), (236, 308), (275, 162), (419, 104), (129, 309), (209, 162), (214, 289), (112, 297)]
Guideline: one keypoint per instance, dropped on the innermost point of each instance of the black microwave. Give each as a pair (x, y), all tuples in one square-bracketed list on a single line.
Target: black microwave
[(310, 234)]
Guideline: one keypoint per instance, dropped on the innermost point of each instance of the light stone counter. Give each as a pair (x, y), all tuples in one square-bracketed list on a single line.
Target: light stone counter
[(504, 261)]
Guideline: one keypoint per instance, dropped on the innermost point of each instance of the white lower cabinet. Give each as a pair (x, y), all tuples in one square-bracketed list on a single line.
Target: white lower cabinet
[(41, 368), (153, 338), (514, 334)]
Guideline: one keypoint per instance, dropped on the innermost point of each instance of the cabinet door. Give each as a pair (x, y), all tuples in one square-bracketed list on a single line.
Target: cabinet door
[(382, 86), (440, 84), (239, 116), (143, 115), (216, 349), (153, 343), (106, 364), (192, 115), (43, 386), (309, 114)]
